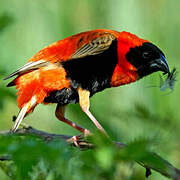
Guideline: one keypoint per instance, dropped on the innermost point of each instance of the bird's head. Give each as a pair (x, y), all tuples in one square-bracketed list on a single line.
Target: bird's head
[(147, 58), (140, 55), (144, 56)]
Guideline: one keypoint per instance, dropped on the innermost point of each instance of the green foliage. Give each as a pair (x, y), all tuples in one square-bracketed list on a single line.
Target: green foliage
[(35, 159), (32, 156)]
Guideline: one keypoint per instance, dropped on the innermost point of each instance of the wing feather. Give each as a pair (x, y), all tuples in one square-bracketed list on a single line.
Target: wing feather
[(28, 67), (96, 46)]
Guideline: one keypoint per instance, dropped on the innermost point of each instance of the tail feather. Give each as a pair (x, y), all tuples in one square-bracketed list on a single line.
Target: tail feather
[(30, 66), (12, 83), (22, 113), (20, 117)]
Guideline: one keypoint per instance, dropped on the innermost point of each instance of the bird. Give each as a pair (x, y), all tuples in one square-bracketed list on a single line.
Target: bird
[(73, 69)]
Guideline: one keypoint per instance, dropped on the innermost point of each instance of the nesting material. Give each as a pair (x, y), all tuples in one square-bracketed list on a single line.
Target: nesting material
[(169, 81)]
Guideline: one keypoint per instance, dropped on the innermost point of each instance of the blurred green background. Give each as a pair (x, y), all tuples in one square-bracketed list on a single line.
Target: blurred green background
[(128, 112)]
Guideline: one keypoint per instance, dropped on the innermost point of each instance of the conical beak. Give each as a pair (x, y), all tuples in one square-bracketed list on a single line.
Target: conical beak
[(160, 64)]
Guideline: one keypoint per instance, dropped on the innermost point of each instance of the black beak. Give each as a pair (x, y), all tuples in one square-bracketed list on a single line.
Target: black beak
[(160, 65)]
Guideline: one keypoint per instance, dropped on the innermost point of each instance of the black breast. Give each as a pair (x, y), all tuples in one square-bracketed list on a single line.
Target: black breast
[(92, 73)]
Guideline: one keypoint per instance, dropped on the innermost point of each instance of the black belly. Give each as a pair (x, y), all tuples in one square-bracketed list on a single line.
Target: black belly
[(63, 96), (92, 73)]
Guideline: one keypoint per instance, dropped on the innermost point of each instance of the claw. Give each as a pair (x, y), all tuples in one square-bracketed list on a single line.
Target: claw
[(74, 140)]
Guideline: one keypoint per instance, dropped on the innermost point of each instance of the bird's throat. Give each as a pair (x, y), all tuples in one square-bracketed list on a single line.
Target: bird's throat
[(123, 76)]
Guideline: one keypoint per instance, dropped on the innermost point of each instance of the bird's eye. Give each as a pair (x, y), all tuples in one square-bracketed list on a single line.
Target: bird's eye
[(146, 55)]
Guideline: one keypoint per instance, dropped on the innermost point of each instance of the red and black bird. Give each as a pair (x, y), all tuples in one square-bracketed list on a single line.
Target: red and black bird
[(75, 68)]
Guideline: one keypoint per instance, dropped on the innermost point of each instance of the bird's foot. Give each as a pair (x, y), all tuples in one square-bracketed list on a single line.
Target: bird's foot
[(77, 140)]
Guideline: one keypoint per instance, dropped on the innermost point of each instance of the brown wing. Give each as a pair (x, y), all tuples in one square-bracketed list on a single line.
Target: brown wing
[(96, 46)]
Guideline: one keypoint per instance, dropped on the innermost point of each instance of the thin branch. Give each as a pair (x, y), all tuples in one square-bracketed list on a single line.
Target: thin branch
[(5, 158), (170, 171)]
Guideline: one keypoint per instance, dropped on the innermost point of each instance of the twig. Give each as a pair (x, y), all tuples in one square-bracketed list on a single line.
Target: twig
[(5, 158), (170, 171)]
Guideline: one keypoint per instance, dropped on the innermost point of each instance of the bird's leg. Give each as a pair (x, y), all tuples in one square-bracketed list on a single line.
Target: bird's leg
[(60, 111), (84, 103)]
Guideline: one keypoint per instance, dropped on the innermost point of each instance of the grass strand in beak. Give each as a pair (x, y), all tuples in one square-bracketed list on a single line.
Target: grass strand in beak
[(169, 82)]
